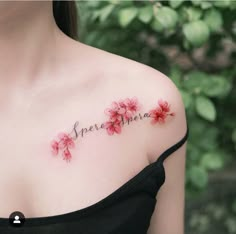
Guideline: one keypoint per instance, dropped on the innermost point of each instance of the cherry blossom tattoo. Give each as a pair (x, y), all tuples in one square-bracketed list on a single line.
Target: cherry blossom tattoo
[(119, 110), (160, 113), (118, 113)]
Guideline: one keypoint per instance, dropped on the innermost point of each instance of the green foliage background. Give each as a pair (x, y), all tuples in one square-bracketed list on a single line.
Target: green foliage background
[(192, 42)]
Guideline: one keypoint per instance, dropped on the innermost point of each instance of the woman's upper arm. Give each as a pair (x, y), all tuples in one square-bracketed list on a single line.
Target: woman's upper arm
[(168, 216)]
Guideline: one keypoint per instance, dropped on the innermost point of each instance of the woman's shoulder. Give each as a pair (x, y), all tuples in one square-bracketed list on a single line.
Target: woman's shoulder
[(125, 78), (117, 68)]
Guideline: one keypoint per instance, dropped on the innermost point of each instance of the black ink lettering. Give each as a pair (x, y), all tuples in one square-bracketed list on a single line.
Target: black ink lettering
[(122, 120), (129, 120), (96, 126), (140, 116), (83, 130), (74, 128)]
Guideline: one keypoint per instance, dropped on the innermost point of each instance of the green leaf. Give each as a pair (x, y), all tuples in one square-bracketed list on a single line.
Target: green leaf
[(193, 13), (95, 15), (145, 14), (195, 81), (205, 108), (126, 15), (193, 158), (213, 19), (156, 26), (212, 161), (105, 12), (176, 75), (216, 86), (187, 98), (91, 4), (166, 17), (205, 5), (196, 32), (198, 176), (196, 2), (222, 3), (233, 5), (175, 3), (114, 1)]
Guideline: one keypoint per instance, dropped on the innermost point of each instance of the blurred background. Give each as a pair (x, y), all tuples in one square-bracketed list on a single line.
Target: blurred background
[(193, 43)]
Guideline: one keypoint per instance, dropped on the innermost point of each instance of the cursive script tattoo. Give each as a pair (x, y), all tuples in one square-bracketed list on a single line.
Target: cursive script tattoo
[(120, 113)]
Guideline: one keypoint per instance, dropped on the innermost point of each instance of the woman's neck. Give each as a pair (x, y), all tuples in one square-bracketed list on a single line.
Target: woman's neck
[(28, 43)]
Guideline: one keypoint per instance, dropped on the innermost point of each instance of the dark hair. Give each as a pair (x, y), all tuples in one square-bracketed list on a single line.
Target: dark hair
[(65, 14)]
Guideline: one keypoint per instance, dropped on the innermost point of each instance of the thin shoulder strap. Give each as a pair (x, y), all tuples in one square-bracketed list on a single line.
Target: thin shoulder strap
[(174, 147)]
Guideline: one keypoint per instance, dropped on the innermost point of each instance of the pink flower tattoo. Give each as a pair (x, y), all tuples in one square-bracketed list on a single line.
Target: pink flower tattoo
[(113, 127), (160, 113), (119, 110), (64, 143)]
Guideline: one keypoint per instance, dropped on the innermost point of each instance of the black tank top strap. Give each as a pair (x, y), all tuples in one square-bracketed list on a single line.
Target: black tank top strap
[(174, 147)]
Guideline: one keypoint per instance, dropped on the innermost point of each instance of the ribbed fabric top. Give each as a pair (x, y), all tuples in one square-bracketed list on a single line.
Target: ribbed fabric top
[(127, 210)]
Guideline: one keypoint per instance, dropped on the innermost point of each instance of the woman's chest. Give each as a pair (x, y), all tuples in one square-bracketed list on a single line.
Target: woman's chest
[(39, 183)]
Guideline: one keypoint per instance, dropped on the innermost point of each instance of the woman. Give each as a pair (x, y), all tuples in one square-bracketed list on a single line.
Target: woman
[(91, 142)]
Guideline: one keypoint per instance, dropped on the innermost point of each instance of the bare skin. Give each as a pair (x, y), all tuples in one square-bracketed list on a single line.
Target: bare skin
[(51, 85)]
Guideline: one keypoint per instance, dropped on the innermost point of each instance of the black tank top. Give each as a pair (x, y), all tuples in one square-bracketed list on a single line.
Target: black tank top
[(127, 210)]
